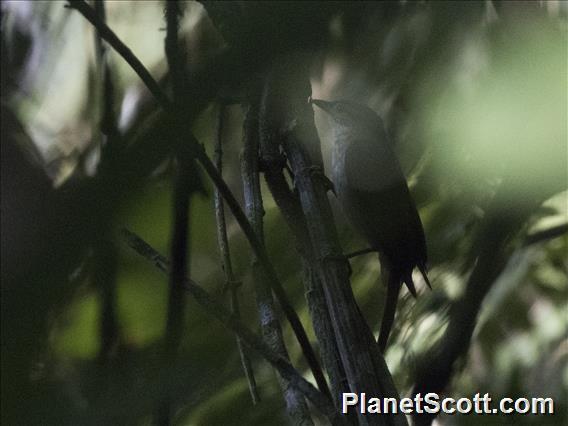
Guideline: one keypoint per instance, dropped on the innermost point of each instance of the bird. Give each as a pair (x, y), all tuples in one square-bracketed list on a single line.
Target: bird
[(374, 195)]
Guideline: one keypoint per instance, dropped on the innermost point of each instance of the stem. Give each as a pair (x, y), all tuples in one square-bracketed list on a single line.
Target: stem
[(218, 181), (272, 277), (105, 279), (105, 250), (365, 368), (546, 234), (181, 205), (269, 323), (107, 34), (255, 343), (223, 243), (273, 164), (286, 90), (493, 248), (360, 252)]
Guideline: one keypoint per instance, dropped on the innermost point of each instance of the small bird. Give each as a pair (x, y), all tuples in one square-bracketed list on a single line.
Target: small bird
[(374, 195)]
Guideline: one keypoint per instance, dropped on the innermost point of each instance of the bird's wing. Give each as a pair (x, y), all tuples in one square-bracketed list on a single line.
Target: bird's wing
[(371, 165), (381, 206)]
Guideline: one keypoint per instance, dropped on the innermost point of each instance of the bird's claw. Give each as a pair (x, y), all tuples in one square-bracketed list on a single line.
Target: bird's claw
[(317, 172)]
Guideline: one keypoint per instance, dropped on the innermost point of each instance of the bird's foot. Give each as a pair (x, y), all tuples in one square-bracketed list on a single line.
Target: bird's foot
[(317, 172)]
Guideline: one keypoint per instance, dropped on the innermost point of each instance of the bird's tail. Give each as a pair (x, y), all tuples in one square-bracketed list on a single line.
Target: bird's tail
[(393, 289)]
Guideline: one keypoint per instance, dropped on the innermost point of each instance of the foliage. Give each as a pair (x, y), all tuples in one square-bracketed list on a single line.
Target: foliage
[(474, 97)]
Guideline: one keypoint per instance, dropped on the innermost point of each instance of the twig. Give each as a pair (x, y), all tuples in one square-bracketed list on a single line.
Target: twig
[(218, 181), (355, 342), (360, 252), (106, 255), (255, 343), (273, 164), (107, 34), (546, 234), (105, 250), (438, 365), (272, 276), (364, 366), (223, 243), (269, 322), (181, 205), (179, 239), (108, 116)]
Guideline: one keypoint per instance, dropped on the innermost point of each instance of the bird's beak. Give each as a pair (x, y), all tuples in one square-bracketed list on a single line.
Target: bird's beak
[(325, 105)]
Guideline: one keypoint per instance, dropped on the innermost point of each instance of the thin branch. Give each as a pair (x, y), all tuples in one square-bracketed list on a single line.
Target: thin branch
[(255, 343), (105, 273), (107, 34), (105, 250), (273, 164), (218, 181), (108, 116), (269, 322), (223, 243), (262, 255), (492, 245), (546, 234), (289, 205), (286, 91), (364, 366), (179, 239), (360, 253), (183, 187)]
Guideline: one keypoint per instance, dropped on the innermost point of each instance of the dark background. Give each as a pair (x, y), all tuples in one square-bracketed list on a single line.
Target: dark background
[(474, 98)]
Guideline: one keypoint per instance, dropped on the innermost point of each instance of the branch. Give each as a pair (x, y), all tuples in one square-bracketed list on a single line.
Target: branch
[(208, 166), (183, 187), (273, 163), (492, 245), (105, 252), (269, 322), (287, 90), (365, 367), (546, 234), (218, 311), (223, 242), (262, 256), (360, 253), (181, 197), (108, 116), (107, 34), (106, 256)]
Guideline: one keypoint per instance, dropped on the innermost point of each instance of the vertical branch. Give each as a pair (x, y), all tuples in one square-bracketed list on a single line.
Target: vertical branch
[(269, 322), (218, 311), (272, 165), (272, 276), (183, 181), (105, 273), (223, 243), (199, 154), (365, 368), (105, 250), (108, 116), (438, 366), (286, 101), (178, 246)]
